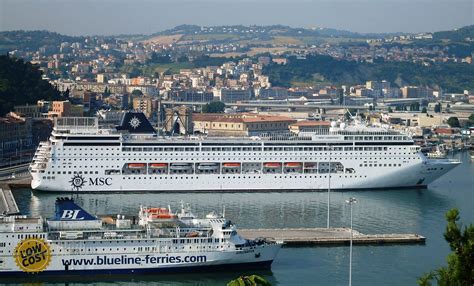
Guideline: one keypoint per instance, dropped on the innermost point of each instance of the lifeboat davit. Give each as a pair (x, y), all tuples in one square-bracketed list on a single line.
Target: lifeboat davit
[(272, 165), (136, 165), (231, 165), (158, 165)]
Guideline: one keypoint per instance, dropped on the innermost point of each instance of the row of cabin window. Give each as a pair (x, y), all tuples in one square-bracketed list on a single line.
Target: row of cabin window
[(380, 165), (239, 177), (372, 138), (224, 154), (204, 149), (134, 249)]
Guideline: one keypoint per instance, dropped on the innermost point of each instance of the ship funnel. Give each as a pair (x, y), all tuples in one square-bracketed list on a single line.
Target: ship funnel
[(67, 210), (136, 122)]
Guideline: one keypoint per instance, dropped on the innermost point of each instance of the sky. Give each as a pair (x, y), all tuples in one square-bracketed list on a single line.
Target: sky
[(113, 17)]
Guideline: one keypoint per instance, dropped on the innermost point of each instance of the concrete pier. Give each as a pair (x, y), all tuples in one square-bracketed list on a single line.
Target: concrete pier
[(331, 236), (8, 204)]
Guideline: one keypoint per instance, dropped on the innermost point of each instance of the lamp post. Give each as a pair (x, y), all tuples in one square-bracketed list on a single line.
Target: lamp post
[(350, 202), (329, 185)]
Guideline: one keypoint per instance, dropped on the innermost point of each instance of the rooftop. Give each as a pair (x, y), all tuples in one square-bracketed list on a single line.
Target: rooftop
[(239, 118)]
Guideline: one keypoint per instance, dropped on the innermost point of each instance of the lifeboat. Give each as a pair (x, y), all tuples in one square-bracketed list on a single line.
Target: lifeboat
[(192, 234), (231, 165), (310, 166), (272, 165), (293, 165), (136, 165), (208, 166), (160, 213), (158, 165), (180, 166)]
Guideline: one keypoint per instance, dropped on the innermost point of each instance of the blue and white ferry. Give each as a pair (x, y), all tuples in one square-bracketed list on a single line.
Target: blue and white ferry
[(75, 242)]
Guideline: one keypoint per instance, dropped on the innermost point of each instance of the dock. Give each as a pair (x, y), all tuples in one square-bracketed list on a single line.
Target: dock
[(8, 204), (327, 237)]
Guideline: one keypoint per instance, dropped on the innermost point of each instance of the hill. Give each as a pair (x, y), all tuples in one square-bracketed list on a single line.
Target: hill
[(32, 40), (451, 77), (263, 35), (21, 83), (457, 35)]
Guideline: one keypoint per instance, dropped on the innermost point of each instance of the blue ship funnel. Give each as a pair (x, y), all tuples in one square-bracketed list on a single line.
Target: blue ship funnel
[(67, 210), (136, 122)]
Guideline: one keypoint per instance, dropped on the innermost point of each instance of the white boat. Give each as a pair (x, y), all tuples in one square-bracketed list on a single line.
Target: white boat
[(439, 152), (76, 243), (81, 156)]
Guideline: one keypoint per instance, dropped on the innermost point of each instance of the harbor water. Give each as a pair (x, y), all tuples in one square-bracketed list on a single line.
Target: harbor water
[(377, 211)]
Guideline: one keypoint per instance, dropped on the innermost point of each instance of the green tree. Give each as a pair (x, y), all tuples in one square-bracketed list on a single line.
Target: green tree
[(424, 110), (389, 110), (252, 280), (453, 122), (460, 269), (106, 92), (137, 92), (214, 107), (470, 120), (22, 83)]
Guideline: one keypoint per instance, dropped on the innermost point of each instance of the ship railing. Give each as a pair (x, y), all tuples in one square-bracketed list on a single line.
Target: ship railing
[(76, 124)]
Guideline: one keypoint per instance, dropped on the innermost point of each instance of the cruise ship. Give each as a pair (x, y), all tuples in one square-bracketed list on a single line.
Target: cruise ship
[(81, 156), (75, 242)]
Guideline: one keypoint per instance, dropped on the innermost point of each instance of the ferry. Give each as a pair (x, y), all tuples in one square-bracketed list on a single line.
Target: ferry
[(81, 156), (75, 243)]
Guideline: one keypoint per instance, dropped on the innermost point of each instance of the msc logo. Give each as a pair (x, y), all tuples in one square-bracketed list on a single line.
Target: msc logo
[(100, 181), (71, 214), (78, 181)]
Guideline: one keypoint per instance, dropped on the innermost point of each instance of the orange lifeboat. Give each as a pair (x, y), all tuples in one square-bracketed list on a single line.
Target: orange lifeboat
[(158, 165), (192, 234), (231, 165), (293, 165), (272, 165), (136, 165), (160, 213)]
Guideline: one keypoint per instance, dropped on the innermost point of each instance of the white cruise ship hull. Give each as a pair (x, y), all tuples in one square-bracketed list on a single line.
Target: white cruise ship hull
[(417, 174), (90, 159)]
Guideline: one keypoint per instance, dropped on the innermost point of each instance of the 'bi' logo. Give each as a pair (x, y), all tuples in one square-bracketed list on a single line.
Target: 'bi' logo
[(71, 214)]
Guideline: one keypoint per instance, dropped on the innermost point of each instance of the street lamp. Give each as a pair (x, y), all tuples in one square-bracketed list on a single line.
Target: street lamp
[(329, 185), (350, 202)]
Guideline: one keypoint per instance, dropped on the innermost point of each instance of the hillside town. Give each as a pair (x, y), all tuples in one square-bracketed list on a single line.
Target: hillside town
[(98, 77)]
